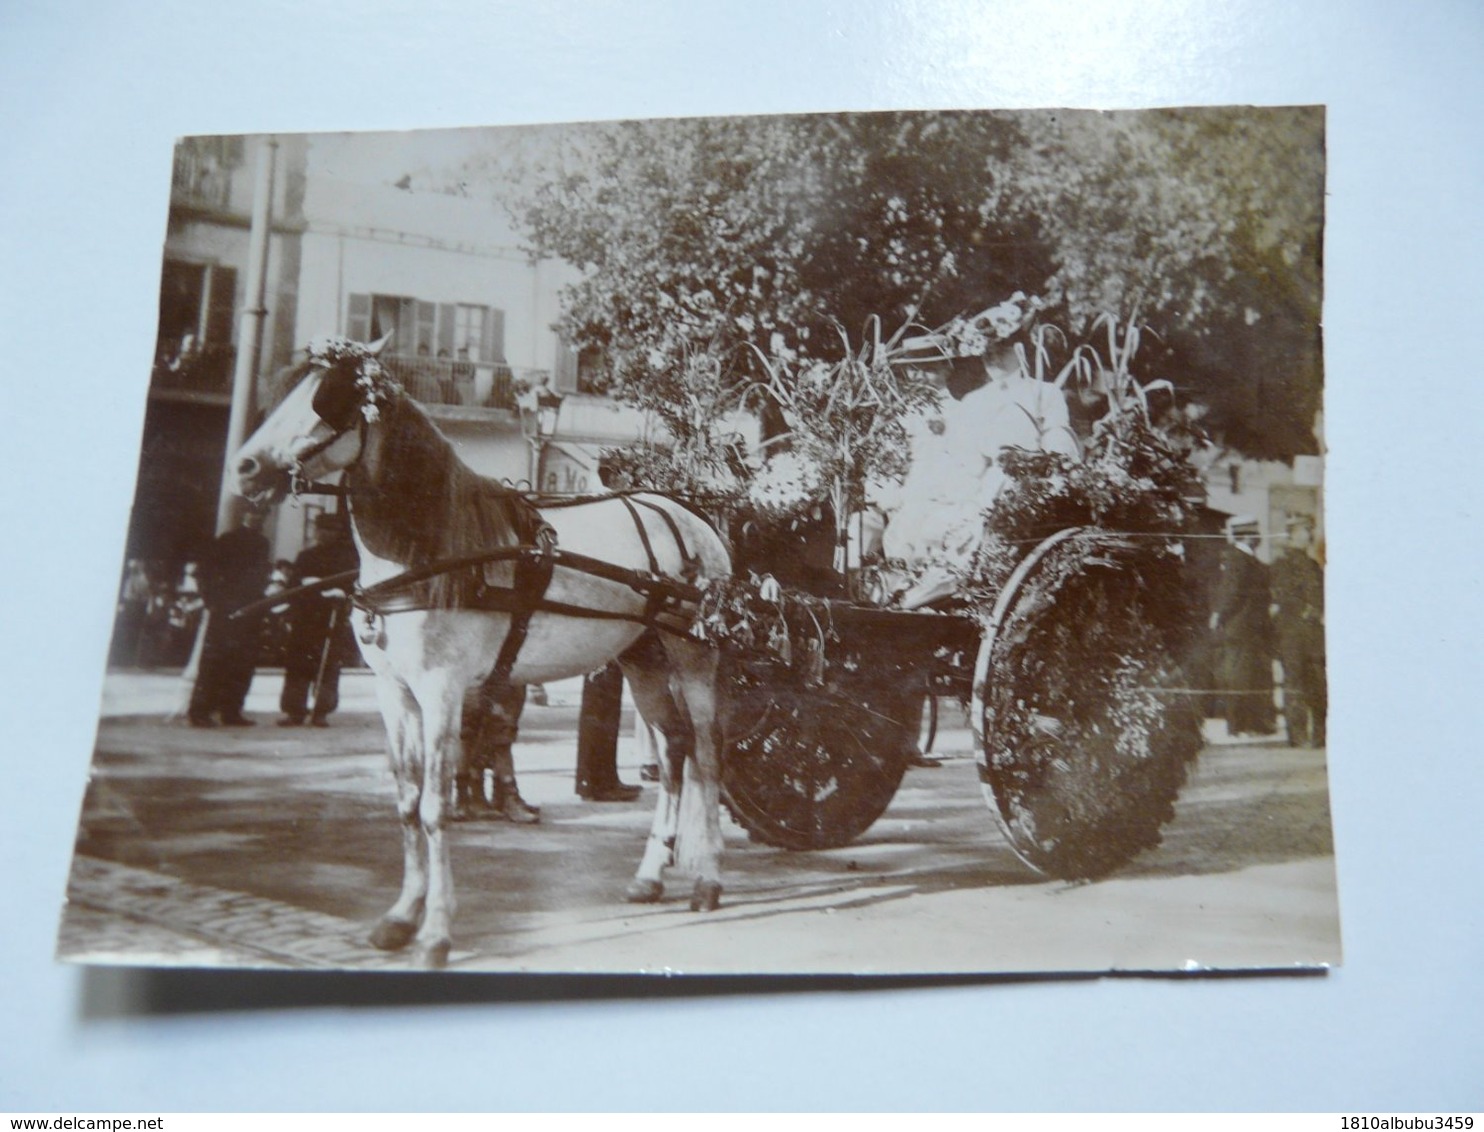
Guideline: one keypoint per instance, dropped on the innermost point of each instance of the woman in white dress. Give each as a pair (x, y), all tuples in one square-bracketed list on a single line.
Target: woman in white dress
[(956, 468)]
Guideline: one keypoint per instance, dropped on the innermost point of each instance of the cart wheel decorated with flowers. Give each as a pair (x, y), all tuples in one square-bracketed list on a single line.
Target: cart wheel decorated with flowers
[(814, 770), (817, 746), (1084, 732)]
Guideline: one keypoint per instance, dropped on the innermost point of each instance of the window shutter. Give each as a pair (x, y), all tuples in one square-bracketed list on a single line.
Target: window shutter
[(220, 304), (566, 367), (427, 319), (358, 319), (406, 340), (446, 315), (494, 335)]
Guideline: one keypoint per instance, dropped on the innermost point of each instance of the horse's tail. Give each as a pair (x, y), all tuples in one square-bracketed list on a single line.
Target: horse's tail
[(690, 824)]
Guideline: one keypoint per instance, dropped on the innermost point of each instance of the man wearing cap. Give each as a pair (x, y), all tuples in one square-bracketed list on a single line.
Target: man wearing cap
[(233, 574), (1298, 618), (318, 635)]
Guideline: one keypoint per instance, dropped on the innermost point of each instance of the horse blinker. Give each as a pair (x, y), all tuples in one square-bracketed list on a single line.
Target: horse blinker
[(337, 398)]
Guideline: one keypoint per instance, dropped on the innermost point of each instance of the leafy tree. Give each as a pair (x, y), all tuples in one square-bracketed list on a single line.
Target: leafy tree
[(1206, 224), (717, 234)]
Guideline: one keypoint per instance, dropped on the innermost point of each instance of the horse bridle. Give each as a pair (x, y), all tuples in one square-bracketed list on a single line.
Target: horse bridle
[(354, 419)]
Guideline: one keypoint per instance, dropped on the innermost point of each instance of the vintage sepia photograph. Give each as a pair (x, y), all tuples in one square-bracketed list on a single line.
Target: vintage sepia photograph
[(875, 543)]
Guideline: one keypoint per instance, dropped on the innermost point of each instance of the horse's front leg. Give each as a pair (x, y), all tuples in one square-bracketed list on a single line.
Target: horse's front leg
[(404, 731), (442, 699)]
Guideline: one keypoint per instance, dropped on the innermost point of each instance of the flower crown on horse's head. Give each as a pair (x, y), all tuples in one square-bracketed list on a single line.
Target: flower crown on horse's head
[(375, 385)]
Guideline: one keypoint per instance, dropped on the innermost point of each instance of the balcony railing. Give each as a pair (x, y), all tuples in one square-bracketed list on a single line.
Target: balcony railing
[(440, 381), (201, 179), (207, 369), (433, 381)]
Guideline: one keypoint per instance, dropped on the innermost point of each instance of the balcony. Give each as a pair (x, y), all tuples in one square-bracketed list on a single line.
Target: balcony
[(186, 372), (195, 372), (201, 179), (443, 382)]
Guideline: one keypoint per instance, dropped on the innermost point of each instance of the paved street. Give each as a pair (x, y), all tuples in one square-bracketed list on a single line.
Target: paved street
[(270, 847)]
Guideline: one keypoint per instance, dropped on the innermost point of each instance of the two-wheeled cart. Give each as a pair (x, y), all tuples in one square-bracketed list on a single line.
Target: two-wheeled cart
[(1082, 733)]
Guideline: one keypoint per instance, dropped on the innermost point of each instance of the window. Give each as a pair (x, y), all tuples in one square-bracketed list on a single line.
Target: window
[(197, 299), (198, 303), (592, 369), (468, 331), (580, 371), (182, 301), (424, 329), (203, 169)]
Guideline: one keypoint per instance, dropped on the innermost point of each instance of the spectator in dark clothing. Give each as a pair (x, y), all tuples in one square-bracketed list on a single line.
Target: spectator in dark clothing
[(234, 573), (1244, 631), (1298, 621), (491, 720), (597, 738), (319, 638)]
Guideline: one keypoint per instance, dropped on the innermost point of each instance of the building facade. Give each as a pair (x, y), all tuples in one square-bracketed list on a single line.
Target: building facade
[(1268, 491), (471, 315)]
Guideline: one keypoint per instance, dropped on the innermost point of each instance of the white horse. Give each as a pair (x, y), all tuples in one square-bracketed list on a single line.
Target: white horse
[(530, 617)]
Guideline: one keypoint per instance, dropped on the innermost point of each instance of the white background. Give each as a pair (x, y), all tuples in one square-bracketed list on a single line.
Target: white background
[(91, 98)]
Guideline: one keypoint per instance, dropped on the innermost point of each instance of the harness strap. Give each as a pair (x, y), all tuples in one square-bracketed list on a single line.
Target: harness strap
[(319, 487), (300, 486), (658, 598), (665, 597), (343, 580), (690, 565), (505, 601), (376, 597), (654, 566), (532, 578)]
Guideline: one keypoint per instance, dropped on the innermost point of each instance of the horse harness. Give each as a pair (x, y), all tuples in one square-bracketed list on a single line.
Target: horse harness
[(336, 405), (533, 564), (532, 567)]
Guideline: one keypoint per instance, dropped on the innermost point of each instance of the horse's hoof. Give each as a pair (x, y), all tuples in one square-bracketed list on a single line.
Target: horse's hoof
[(392, 935), (644, 892), (706, 896), (434, 956)]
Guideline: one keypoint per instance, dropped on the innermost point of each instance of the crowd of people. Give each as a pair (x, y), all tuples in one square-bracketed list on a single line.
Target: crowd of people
[(309, 635), (1263, 613), (157, 616)]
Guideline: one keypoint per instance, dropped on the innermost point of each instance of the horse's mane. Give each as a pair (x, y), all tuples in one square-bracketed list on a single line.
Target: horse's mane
[(426, 505)]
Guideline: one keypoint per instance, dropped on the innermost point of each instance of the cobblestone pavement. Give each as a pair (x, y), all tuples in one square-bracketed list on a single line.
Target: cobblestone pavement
[(269, 847), (122, 912)]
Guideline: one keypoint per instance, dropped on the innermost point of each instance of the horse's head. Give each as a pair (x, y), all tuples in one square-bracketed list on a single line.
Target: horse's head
[(320, 427)]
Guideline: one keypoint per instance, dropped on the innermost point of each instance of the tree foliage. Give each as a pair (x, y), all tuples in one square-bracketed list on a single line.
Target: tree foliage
[(719, 234)]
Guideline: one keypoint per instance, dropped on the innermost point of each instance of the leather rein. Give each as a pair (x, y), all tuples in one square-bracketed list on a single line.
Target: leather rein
[(664, 596), (533, 566), (298, 485)]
